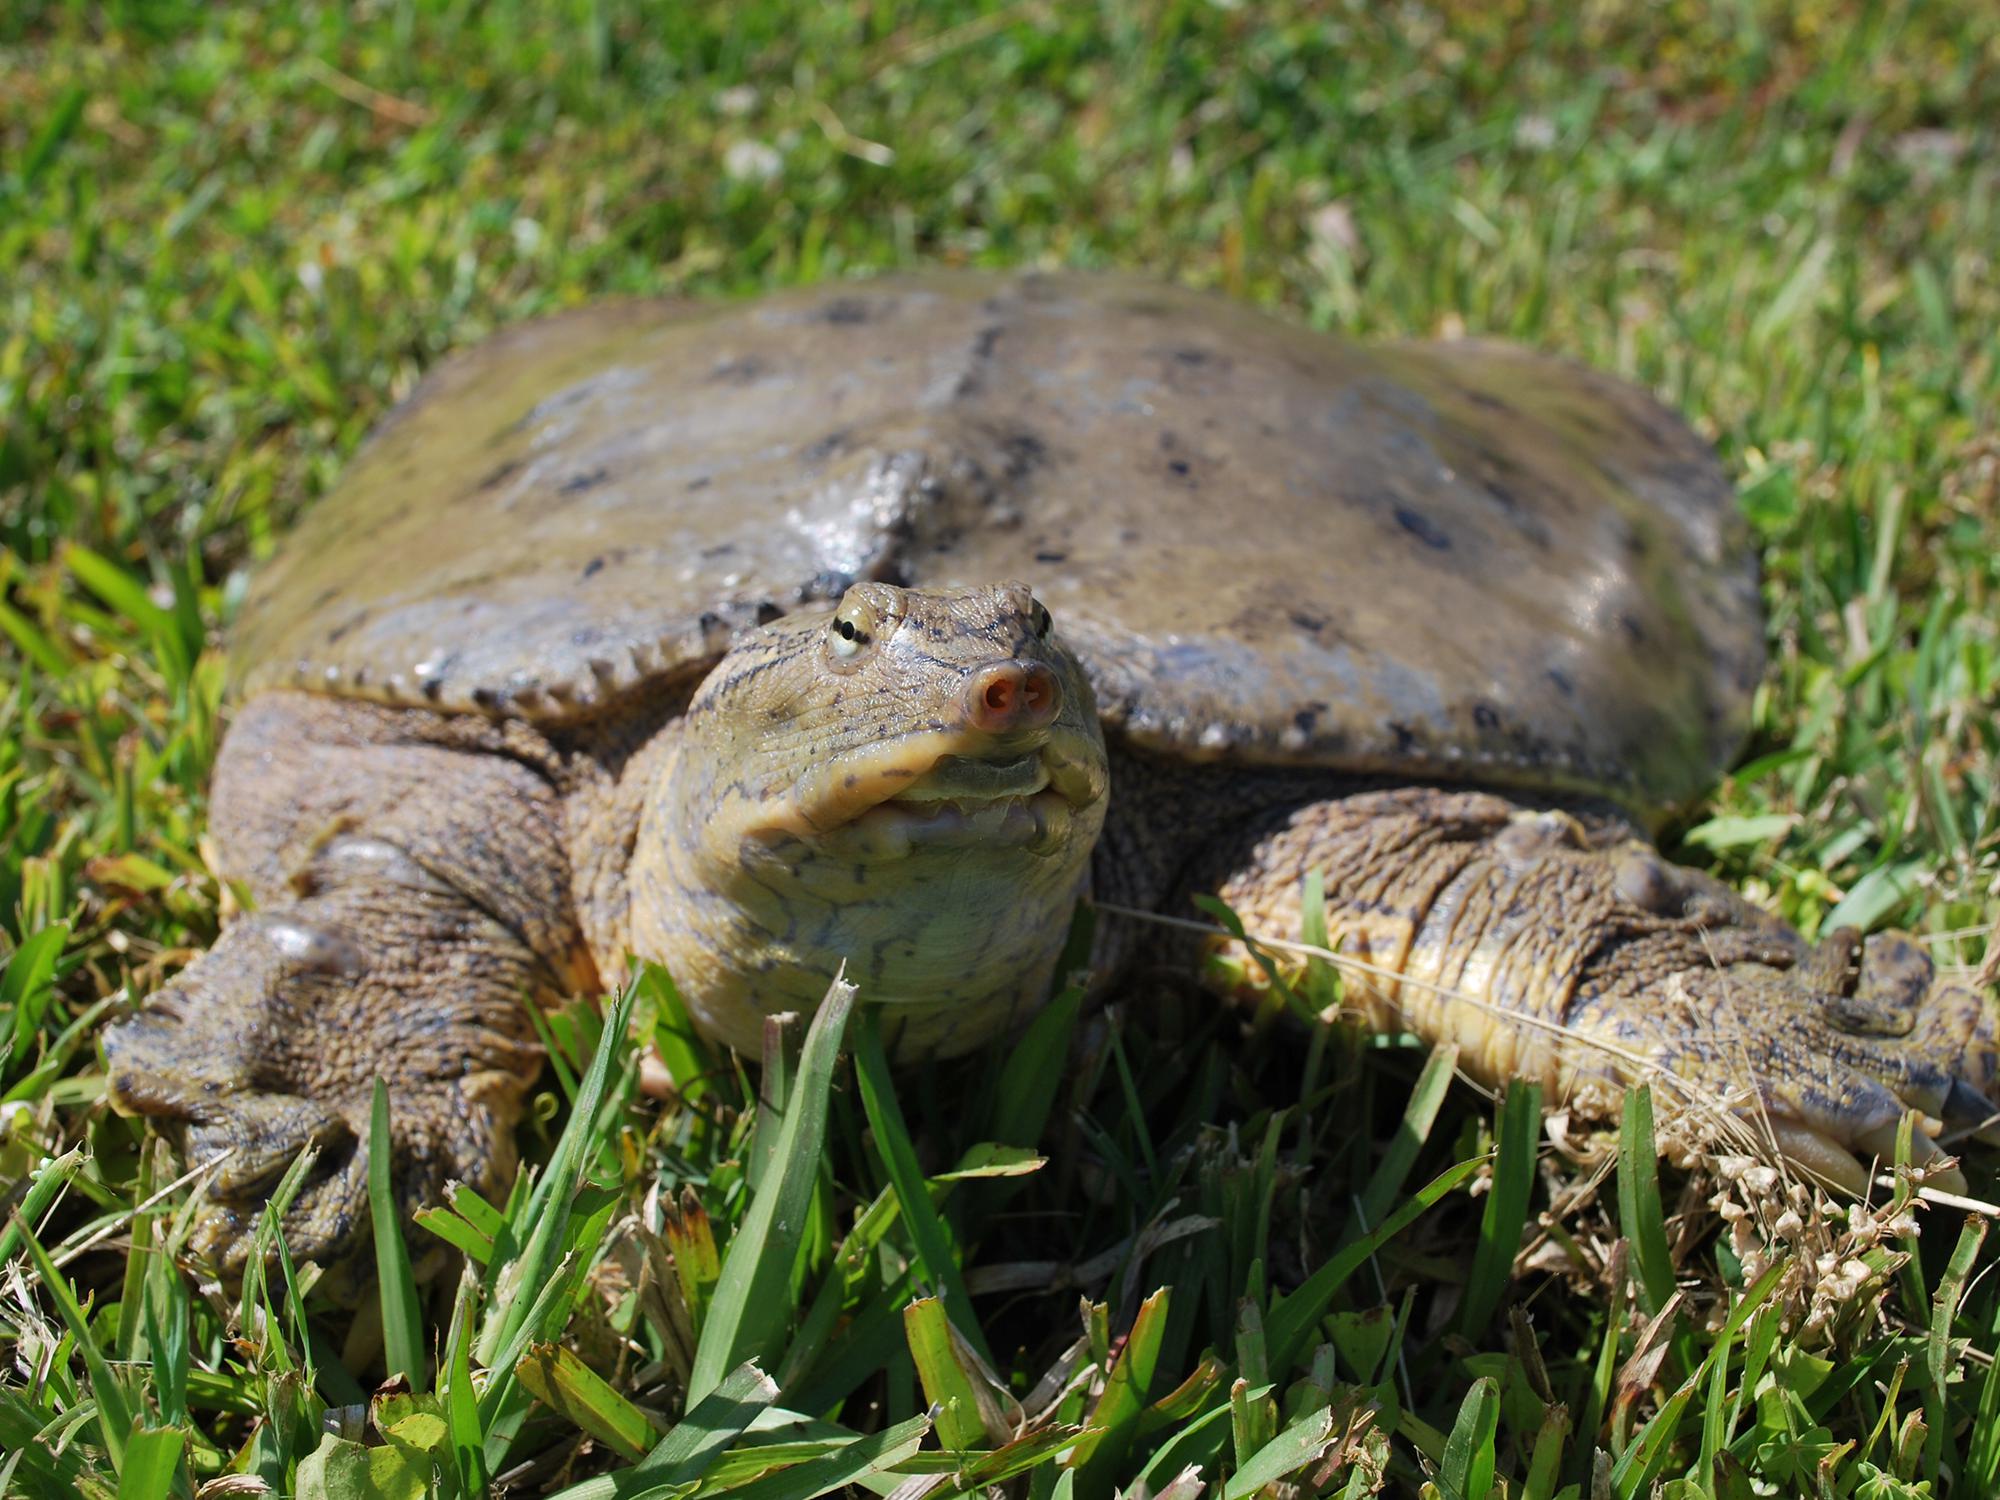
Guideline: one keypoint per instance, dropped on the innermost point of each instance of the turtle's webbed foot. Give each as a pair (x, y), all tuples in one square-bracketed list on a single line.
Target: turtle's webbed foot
[(1822, 1057), (271, 1043)]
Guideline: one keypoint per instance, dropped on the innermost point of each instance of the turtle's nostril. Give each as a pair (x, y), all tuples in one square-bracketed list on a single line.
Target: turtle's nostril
[(1009, 695)]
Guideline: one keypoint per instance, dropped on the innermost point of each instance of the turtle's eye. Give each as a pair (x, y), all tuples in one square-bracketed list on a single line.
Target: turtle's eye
[(1041, 621), (853, 630)]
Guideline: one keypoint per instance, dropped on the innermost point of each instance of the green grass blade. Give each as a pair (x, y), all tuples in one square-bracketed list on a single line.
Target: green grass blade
[(455, 1231), (31, 642), (114, 1411), (1545, 1462), (460, 1399), (26, 986), (1466, 1471), (152, 1468), (686, 1453), (936, 1259), (1983, 1460), (1293, 1320), (686, 1055), (1640, 1216), (1291, 1450), (749, 1308), (396, 1284), (49, 1181), (1419, 1115), (545, 1211), (1643, 1459), (1516, 1134), (1938, 1361), (570, 1388), (948, 1387), (1033, 1072), (54, 1473), (853, 1464), (1114, 1421)]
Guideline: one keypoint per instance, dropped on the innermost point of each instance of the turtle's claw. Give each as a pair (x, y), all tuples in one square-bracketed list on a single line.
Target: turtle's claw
[(271, 1044), (1970, 1115), (1820, 1058)]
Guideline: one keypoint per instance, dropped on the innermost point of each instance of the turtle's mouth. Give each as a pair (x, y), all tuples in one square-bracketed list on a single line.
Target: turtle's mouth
[(932, 790), (969, 800)]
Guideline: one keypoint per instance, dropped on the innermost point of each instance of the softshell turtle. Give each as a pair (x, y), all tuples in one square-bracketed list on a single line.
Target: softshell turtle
[(876, 623)]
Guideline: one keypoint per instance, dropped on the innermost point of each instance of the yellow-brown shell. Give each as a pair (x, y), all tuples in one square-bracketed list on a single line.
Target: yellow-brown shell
[(1266, 543)]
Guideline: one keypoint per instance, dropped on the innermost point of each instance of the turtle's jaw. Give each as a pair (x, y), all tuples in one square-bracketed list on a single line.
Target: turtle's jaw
[(942, 791)]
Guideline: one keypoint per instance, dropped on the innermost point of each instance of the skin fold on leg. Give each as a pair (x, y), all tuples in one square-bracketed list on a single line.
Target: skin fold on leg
[(412, 901), (1567, 951)]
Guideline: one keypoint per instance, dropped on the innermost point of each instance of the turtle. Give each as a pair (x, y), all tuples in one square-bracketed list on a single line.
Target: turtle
[(875, 624)]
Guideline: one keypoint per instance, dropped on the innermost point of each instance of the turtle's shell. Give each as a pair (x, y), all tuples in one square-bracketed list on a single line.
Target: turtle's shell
[(1265, 543)]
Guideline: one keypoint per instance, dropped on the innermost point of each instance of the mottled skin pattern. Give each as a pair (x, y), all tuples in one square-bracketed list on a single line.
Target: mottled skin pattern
[(1420, 620)]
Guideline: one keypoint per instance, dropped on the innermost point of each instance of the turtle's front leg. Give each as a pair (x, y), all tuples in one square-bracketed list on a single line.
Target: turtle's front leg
[(272, 1041), (1572, 954), (412, 903)]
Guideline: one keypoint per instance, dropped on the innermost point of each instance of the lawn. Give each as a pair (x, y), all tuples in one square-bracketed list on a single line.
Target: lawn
[(232, 236)]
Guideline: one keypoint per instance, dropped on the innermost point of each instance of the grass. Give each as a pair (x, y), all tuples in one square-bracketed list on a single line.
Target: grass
[(231, 237)]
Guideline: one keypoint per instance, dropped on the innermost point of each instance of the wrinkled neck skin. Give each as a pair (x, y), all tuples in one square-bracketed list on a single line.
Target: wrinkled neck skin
[(856, 820)]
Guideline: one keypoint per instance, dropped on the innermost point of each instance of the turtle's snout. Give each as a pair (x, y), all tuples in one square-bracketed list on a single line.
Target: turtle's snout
[(1009, 696)]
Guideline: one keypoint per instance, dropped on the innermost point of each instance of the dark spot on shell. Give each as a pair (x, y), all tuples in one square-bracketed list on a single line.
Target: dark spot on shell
[(1179, 467), (1634, 631), (1562, 683), (1306, 720), (1024, 451), (824, 448), (1191, 356), (1423, 528), (699, 482), (486, 698), (1051, 557), (592, 568), (982, 344), (1406, 737), (577, 484), (1486, 716), (720, 549), (334, 635), (499, 475), (739, 371), (1487, 399), (1311, 623), (767, 612), (846, 310), (432, 688)]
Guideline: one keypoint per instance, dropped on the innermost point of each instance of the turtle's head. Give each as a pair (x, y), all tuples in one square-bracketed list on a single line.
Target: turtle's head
[(911, 783)]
